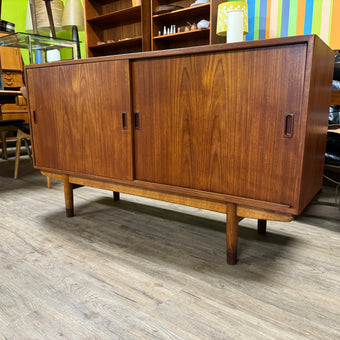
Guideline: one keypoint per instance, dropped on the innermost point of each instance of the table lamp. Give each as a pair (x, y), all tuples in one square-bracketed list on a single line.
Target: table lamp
[(232, 20), (43, 24), (73, 18)]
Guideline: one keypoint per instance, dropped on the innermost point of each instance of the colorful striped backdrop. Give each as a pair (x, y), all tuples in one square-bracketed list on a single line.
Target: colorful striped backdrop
[(281, 18)]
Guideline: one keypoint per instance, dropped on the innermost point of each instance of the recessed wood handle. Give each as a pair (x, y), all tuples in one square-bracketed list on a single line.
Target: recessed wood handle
[(34, 116), (137, 121), (124, 120), (289, 125)]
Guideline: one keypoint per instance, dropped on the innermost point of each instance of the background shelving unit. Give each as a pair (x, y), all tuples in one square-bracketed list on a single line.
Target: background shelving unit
[(181, 18), (118, 25)]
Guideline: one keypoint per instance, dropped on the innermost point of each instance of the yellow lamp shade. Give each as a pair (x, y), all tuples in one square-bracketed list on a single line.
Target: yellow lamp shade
[(73, 15), (222, 17)]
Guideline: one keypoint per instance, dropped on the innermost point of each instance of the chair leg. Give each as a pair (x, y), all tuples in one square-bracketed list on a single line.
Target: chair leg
[(4, 145), (2, 148), (28, 149), (17, 155), (20, 135)]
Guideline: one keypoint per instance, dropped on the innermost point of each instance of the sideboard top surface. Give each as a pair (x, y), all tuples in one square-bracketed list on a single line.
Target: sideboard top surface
[(265, 43)]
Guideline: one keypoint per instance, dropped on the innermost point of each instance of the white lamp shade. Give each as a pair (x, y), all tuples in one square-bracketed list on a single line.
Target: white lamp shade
[(43, 23), (28, 25), (73, 15)]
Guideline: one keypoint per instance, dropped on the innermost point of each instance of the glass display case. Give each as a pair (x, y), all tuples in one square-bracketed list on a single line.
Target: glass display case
[(34, 42)]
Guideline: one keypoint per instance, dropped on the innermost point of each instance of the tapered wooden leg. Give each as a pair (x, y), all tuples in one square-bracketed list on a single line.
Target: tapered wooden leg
[(28, 149), (25, 137), (116, 196), (68, 192), (261, 226), (232, 234), (48, 181)]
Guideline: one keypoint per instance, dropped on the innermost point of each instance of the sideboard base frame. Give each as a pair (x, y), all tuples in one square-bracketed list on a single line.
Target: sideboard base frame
[(235, 213)]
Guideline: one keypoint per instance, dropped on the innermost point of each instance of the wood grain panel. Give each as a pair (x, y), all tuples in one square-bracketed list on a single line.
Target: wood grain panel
[(319, 96), (107, 146), (43, 101), (11, 58), (218, 121), (73, 120), (15, 115)]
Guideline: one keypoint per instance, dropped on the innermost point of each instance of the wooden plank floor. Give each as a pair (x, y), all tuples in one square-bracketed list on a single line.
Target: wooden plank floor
[(142, 269)]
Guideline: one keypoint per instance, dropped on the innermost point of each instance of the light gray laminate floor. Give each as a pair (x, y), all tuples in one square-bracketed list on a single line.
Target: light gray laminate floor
[(143, 269)]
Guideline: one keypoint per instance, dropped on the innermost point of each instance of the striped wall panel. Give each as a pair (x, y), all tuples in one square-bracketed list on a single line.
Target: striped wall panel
[(282, 18)]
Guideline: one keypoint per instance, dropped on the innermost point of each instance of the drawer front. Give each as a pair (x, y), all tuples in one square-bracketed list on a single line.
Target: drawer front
[(13, 107), (12, 79), (15, 115)]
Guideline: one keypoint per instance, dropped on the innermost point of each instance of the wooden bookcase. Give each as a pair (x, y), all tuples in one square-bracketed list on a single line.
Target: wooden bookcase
[(116, 26), (183, 19)]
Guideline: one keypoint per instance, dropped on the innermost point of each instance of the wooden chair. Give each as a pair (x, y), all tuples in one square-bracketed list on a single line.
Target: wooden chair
[(23, 134), (11, 64), (5, 127)]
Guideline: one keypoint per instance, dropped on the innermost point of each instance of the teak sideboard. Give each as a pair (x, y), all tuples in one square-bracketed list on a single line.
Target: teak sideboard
[(234, 128)]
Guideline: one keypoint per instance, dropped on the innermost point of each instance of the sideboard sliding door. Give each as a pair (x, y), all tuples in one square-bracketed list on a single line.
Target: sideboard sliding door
[(225, 122), (80, 118)]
